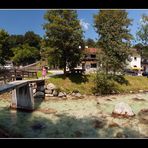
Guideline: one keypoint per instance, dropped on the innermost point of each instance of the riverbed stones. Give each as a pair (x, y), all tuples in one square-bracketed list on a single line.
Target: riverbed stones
[(55, 92), (61, 94), (123, 110), (48, 91), (51, 86), (143, 116)]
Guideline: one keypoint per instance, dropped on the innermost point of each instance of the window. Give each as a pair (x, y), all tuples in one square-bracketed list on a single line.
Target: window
[(93, 56), (135, 58), (94, 65)]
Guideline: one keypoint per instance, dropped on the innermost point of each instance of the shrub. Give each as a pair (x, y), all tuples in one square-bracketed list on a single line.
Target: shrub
[(104, 84)]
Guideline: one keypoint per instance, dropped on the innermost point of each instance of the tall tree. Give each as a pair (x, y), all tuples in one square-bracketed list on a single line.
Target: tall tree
[(142, 33), (32, 39), (4, 46), (90, 43), (65, 35), (25, 54), (142, 36), (114, 38)]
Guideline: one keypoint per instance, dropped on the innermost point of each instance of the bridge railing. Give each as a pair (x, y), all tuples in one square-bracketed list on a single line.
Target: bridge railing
[(13, 74)]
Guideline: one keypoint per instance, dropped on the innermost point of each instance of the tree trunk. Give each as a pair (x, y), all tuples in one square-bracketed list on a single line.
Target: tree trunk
[(65, 70)]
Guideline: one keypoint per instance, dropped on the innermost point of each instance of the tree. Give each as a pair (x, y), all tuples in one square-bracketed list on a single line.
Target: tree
[(114, 38), (25, 54), (15, 40), (64, 34), (142, 33), (90, 43), (32, 39), (4, 50), (142, 36)]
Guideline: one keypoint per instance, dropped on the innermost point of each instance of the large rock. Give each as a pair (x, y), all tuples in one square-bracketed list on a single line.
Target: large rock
[(55, 93), (51, 86), (39, 94), (48, 95), (143, 116), (48, 91), (61, 94), (122, 109)]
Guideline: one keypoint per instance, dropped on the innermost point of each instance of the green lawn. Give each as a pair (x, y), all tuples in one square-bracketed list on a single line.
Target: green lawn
[(85, 83)]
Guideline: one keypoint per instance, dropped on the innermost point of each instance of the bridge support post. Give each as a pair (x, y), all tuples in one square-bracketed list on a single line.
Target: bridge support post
[(22, 97)]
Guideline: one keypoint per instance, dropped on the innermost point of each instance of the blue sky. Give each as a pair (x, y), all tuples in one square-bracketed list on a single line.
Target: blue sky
[(20, 21)]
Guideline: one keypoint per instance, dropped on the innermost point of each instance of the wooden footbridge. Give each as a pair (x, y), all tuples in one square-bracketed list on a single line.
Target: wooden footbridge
[(22, 93)]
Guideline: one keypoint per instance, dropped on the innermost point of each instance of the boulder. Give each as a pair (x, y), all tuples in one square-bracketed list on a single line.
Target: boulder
[(78, 95), (61, 94), (39, 94), (122, 109), (55, 93), (143, 116), (51, 86), (48, 95), (48, 91), (141, 91), (34, 91)]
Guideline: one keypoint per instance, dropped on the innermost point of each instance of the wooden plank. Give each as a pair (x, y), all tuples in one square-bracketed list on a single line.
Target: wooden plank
[(12, 85)]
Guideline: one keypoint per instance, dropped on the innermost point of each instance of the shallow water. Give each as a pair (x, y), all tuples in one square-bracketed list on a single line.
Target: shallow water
[(76, 118)]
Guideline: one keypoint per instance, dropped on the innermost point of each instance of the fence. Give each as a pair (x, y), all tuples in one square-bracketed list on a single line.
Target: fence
[(12, 74)]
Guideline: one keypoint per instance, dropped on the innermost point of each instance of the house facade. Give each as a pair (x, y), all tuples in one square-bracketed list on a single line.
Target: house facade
[(89, 62)]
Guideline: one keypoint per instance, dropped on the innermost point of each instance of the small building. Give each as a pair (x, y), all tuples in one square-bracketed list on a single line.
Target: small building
[(89, 62), (135, 60)]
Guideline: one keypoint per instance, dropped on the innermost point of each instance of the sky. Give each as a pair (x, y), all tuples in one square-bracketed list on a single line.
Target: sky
[(21, 21)]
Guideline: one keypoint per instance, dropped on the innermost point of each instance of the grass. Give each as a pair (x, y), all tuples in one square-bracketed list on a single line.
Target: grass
[(85, 83), (39, 73)]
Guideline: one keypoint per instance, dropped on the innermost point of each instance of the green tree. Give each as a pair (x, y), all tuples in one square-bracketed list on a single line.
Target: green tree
[(90, 43), (114, 38), (25, 54), (142, 33), (142, 36), (64, 35), (15, 40), (4, 46), (32, 39)]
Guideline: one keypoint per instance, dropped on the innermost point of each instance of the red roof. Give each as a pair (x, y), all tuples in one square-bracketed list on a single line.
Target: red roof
[(91, 50)]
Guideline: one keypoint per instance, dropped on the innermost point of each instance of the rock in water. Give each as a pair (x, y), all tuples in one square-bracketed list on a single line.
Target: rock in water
[(143, 116), (122, 109), (61, 94)]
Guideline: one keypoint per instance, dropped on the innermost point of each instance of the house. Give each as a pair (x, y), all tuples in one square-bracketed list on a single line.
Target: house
[(134, 60), (89, 62)]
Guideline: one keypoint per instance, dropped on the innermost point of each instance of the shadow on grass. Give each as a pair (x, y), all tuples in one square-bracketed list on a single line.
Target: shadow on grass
[(75, 78)]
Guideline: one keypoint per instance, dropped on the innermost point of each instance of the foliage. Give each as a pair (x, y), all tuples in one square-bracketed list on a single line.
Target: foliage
[(142, 33), (4, 50), (32, 39), (64, 34), (24, 54), (104, 84), (90, 43), (114, 38), (142, 36)]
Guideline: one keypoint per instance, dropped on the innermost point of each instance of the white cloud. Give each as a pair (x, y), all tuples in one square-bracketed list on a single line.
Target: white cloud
[(84, 24)]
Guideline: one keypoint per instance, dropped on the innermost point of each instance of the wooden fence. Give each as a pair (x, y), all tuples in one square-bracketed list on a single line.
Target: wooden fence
[(13, 74)]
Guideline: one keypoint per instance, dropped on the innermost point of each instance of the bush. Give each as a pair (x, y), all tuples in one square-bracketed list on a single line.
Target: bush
[(104, 84)]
